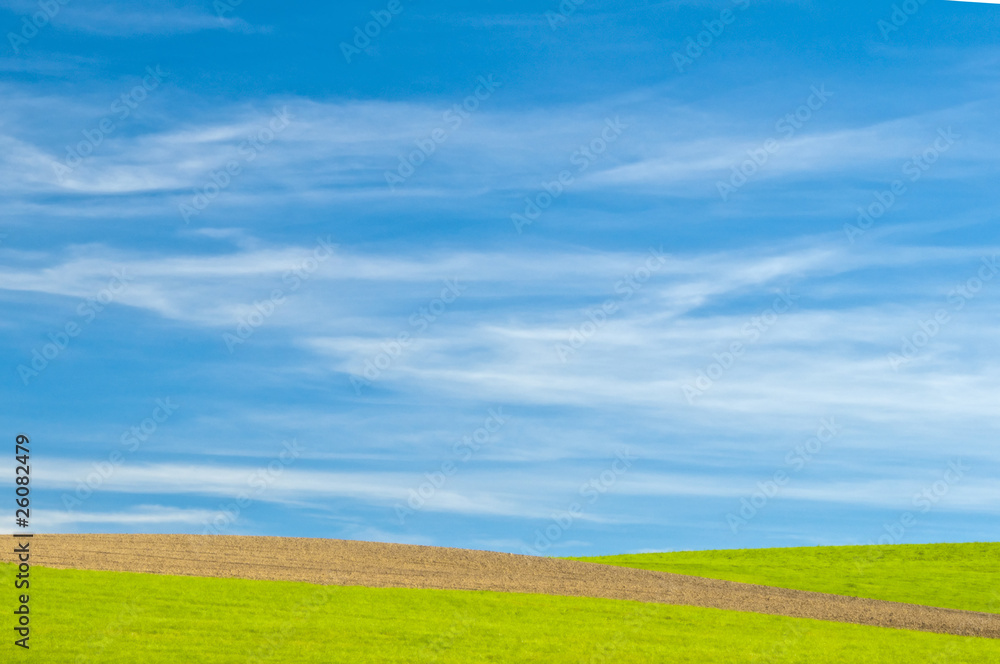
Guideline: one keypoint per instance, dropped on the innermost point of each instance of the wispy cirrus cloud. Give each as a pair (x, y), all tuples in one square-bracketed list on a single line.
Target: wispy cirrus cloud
[(342, 150), (816, 315), (133, 19)]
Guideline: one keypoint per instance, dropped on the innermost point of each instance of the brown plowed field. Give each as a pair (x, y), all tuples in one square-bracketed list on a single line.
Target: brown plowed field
[(337, 562)]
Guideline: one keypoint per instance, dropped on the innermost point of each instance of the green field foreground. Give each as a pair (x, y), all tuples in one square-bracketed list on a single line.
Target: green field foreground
[(951, 576), (112, 617)]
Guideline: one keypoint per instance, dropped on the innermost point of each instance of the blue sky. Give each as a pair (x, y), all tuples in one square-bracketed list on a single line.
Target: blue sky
[(563, 279)]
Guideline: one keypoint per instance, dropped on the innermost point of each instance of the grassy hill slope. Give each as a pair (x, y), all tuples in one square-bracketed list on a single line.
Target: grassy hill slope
[(112, 617), (953, 576)]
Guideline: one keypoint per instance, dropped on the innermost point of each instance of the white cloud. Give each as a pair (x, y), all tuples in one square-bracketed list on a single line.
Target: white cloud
[(821, 357), (131, 19), (341, 151), (141, 517)]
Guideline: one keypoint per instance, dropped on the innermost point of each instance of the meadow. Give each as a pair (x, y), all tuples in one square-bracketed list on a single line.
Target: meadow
[(121, 617), (951, 576)]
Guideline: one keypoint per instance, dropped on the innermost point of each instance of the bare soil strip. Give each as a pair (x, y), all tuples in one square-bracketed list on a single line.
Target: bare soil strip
[(346, 563)]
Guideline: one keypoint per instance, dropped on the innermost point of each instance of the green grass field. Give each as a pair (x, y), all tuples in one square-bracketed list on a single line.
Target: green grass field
[(953, 576), (111, 617)]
